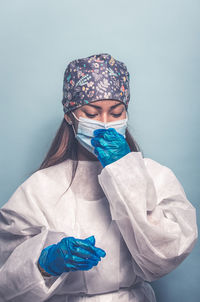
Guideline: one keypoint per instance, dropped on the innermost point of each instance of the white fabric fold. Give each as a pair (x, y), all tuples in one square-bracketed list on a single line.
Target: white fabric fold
[(24, 232), (152, 212), (136, 209)]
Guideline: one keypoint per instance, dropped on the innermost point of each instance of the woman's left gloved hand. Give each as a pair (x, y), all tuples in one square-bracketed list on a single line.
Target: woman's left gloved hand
[(109, 145)]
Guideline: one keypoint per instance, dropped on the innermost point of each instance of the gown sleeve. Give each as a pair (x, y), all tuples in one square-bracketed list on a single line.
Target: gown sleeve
[(24, 233), (152, 212)]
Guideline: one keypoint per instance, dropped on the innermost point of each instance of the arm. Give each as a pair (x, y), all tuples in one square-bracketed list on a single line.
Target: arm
[(152, 212), (24, 233)]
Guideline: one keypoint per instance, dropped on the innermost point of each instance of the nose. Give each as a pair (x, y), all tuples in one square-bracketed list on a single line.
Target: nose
[(104, 117)]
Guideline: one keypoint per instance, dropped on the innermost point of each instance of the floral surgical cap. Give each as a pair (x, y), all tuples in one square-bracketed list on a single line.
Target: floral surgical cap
[(97, 77)]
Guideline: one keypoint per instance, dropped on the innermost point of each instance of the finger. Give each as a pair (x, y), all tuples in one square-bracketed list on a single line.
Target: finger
[(76, 259), (87, 262), (102, 153), (97, 251), (111, 134), (83, 253), (98, 132), (112, 131), (70, 267), (117, 134), (84, 266), (95, 141), (100, 252), (99, 151), (93, 263), (100, 142), (107, 141), (91, 239), (83, 243)]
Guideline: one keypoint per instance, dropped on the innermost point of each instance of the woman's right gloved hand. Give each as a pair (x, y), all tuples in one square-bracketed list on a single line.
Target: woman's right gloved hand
[(70, 254)]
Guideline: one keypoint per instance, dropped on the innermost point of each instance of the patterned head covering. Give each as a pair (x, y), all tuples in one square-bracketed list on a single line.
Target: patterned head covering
[(94, 78)]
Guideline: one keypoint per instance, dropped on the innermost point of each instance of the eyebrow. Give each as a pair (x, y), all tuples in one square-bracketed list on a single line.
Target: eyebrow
[(98, 107)]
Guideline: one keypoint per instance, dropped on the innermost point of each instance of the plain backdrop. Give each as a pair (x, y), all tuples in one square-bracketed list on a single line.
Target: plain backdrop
[(157, 40)]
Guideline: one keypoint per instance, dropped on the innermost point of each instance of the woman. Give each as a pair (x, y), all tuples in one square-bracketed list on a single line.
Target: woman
[(97, 221)]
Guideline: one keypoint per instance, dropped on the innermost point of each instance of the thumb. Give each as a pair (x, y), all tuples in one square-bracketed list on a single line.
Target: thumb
[(91, 239)]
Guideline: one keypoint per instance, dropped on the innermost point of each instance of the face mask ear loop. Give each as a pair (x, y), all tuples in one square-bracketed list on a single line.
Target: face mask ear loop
[(73, 125), (75, 116), (73, 130)]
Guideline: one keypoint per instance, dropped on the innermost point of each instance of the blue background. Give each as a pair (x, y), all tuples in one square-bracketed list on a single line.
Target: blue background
[(157, 40)]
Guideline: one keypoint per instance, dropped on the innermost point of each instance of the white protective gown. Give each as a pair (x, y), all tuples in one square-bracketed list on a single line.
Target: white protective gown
[(136, 209)]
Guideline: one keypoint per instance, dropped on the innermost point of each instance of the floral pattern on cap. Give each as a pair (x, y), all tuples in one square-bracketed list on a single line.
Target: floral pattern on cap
[(94, 78)]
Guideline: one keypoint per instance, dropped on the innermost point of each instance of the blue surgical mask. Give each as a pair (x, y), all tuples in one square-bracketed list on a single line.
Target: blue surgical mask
[(86, 127)]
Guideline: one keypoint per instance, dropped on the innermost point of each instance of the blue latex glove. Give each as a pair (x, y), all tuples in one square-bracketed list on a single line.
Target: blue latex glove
[(70, 254), (109, 145)]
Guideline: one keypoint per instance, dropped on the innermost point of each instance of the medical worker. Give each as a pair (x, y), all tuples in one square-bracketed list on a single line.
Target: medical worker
[(97, 221)]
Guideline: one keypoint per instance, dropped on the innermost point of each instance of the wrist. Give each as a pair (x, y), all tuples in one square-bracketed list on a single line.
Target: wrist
[(43, 272)]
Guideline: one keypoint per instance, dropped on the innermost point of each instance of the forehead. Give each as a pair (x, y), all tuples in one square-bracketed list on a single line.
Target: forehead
[(103, 104)]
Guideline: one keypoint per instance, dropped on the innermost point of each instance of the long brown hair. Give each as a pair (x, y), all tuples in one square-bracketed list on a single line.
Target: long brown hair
[(64, 146)]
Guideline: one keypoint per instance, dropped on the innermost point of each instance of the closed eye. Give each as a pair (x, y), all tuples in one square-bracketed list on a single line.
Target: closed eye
[(93, 115), (90, 115), (117, 115)]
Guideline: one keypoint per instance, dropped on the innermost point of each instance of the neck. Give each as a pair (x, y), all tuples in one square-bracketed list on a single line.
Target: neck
[(85, 155)]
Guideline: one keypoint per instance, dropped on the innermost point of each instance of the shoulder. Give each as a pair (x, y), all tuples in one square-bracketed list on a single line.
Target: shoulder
[(43, 186), (56, 176), (34, 200)]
